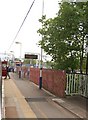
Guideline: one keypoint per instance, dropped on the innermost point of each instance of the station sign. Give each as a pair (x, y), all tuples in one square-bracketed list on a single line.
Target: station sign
[(31, 56)]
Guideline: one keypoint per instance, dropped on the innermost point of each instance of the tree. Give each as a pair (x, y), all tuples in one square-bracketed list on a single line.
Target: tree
[(64, 36), (28, 61)]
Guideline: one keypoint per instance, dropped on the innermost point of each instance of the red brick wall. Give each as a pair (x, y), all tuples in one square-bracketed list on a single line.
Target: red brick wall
[(52, 80)]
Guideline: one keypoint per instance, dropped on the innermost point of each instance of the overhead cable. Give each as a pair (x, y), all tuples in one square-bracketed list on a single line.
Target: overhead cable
[(21, 25)]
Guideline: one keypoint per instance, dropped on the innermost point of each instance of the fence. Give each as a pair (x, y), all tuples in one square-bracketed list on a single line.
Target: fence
[(58, 82), (53, 80), (77, 84)]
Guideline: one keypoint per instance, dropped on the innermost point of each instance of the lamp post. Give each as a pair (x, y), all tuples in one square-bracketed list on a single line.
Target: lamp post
[(20, 57), (20, 47), (12, 60), (12, 55), (40, 78)]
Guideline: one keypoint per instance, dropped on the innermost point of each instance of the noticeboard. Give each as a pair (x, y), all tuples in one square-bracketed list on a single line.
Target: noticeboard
[(31, 56)]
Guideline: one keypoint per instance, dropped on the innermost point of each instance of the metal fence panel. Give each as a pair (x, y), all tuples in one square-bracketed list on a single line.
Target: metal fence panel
[(77, 84)]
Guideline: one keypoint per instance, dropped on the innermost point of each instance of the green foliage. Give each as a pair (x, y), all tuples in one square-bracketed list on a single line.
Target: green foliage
[(63, 37), (28, 61)]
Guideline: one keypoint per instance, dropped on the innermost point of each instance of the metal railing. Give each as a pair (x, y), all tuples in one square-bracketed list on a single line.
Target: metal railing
[(77, 84)]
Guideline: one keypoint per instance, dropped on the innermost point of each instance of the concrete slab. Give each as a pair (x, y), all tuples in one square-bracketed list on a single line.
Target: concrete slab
[(15, 103)]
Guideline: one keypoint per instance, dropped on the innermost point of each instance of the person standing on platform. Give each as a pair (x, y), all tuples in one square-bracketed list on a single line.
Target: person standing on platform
[(7, 70)]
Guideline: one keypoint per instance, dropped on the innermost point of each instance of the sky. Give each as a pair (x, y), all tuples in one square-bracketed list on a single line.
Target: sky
[(12, 13)]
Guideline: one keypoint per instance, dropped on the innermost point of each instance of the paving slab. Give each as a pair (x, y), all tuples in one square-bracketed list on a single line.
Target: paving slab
[(15, 104), (75, 104)]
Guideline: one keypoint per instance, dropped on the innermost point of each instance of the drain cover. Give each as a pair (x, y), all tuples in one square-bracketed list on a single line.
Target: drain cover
[(40, 99)]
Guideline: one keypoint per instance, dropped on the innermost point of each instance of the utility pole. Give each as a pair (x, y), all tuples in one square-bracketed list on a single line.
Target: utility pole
[(40, 79), (20, 69)]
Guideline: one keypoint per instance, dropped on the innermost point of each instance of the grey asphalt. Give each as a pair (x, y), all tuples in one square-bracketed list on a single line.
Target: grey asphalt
[(77, 105)]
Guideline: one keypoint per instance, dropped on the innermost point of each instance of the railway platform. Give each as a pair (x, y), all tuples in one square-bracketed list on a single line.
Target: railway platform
[(14, 104)]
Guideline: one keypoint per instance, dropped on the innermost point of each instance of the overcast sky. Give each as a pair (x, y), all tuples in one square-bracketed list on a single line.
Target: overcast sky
[(12, 13)]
